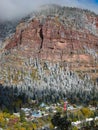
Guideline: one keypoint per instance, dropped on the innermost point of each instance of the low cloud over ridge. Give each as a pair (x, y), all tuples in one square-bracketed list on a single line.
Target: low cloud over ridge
[(11, 9)]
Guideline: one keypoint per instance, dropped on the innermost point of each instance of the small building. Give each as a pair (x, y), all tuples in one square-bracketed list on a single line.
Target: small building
[(17, 114), (37, 114), (43, 105), (27, 111)]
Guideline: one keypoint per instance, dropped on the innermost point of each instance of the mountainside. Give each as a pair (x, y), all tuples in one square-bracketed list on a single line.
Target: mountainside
[(54, 49), (7, 28), (56, 34)]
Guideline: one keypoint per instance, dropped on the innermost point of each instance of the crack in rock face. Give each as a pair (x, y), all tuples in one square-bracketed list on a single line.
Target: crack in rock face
[(42, 37)]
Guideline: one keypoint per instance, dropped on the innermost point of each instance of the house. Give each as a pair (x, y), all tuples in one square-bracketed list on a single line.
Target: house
[(37, 114), (27, 111), (17, 114), (43, 105)]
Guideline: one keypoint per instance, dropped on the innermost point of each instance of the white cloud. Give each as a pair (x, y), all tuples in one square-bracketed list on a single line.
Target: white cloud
[(16, 8)]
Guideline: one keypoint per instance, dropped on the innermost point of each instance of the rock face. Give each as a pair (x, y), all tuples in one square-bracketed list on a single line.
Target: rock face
[(53, 41), (65, 35)]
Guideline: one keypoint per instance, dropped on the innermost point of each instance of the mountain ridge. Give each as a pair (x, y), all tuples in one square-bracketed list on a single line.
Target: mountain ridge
[(73, 30), (8, 27), (52, 52)]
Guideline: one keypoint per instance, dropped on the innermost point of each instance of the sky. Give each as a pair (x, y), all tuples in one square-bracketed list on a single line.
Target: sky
[(11, 9)]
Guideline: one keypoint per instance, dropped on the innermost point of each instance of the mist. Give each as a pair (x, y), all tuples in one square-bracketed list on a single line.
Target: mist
[(12, 9)]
